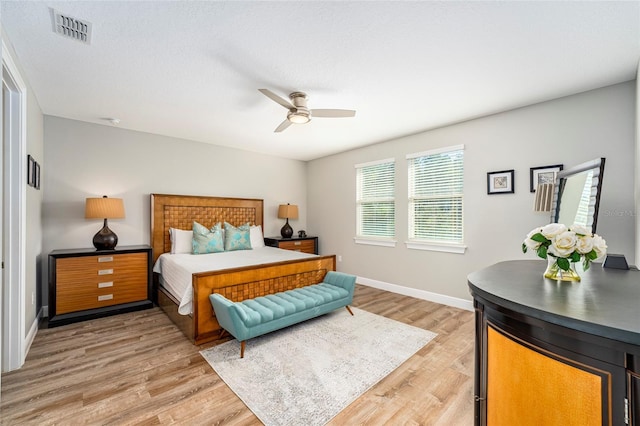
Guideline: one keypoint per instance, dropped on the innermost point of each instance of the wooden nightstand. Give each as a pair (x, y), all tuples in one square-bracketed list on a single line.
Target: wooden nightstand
[(304, 244), (90, 283)]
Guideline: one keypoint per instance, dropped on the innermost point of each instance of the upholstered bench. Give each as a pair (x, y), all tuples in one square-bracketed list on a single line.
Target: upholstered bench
[(254, 317)]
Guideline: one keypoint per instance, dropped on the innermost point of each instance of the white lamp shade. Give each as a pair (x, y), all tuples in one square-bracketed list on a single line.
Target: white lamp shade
[(544, 197)]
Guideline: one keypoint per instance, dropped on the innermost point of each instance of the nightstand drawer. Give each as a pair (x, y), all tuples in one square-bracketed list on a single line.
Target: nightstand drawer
[(96, 295), (306, 246), (74, 269)]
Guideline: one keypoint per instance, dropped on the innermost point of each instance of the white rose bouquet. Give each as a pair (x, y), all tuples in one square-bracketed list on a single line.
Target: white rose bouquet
[(566, 244)]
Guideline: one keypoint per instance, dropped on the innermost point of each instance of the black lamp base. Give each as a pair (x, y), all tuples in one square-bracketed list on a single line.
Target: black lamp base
[(105, 239), (287, 230)]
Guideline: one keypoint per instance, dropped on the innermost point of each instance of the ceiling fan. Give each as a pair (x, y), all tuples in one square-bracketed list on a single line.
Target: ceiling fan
[(298, 111)]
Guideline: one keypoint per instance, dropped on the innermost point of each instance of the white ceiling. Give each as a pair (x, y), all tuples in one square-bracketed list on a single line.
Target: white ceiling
[(192, 69)]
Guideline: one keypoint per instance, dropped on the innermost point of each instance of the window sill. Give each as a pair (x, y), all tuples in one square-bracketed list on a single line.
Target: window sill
[(433, 246), (375, 242)]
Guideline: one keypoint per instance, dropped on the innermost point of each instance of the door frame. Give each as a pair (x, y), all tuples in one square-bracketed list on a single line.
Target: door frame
[(14, 214)]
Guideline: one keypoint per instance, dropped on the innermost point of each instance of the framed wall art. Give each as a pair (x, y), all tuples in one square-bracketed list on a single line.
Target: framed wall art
[(544, 174), (31, 165), (500, 182), (36, 178)]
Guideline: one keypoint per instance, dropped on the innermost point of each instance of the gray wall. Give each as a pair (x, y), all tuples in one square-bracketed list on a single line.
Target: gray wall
[(33, 246), (568, 131), (90, 160), (636, 212)]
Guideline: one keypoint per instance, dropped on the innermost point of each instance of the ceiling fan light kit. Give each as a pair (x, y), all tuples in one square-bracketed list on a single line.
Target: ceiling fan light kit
[(299, 113), (297, 117)]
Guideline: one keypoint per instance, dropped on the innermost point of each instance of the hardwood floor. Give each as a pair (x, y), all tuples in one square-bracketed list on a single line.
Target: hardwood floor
[(138, 368)]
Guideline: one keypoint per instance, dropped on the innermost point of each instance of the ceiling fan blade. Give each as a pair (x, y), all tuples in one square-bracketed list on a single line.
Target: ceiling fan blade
[(268, 93), (332, 113), (286, 123)]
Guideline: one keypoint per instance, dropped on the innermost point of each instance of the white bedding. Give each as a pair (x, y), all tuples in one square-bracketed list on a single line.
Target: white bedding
[(176, 269)]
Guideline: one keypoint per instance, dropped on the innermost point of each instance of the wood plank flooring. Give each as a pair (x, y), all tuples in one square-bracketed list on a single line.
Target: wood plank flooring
[(138, 368)]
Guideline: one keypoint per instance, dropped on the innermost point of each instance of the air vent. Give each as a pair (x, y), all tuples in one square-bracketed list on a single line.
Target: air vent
[(70, 27)]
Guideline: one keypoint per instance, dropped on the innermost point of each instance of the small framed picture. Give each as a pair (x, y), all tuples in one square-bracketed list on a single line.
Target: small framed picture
[(31, 165), (500, 182), (36, 179), (544, 174)]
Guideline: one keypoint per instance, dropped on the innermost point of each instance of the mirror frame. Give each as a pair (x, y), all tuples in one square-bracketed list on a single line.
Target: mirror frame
[(597, 166)]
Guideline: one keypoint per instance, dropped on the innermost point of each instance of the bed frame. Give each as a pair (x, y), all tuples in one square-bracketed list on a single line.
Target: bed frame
[(237, 284)]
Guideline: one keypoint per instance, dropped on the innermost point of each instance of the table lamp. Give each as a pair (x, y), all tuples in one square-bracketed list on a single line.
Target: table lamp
[(104, 208), (287, 211)]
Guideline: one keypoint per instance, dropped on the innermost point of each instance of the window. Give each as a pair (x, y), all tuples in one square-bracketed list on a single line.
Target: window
[(435, 199), (375, 200)]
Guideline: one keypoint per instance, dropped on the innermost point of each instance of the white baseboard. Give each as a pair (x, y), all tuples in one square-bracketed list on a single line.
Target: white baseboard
[(33, 330), (418, 294)]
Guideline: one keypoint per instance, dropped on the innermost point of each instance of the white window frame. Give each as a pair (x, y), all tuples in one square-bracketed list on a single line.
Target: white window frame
[(388, 241), (425, 244)]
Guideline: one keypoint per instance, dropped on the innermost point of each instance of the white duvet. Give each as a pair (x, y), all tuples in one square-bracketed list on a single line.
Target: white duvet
[(176, 269)]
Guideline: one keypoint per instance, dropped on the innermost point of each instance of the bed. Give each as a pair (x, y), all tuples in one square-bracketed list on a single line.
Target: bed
[(237, 283)]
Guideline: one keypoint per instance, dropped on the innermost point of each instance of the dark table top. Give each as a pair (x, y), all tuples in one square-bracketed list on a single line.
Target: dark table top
[(605, 303)]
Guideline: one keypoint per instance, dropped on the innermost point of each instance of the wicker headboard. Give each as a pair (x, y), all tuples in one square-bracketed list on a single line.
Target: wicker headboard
[(179, 211)]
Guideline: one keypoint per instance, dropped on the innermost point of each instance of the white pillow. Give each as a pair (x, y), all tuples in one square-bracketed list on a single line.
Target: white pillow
[(180, 240), (256, 237)]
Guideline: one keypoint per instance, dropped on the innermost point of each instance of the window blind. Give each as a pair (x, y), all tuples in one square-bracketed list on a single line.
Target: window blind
[(436, 195), (375, 199), (584, 206)]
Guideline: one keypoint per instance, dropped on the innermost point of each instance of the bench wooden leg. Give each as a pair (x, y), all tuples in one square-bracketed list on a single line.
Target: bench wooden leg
[(349, 309), (242, 344), (222, 333)]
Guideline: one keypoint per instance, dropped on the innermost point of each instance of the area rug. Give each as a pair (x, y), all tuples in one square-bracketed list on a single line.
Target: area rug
[(306, 374)]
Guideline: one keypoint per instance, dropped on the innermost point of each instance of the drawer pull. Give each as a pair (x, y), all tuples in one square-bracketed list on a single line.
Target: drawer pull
[(297, 243), (105, 284), (104, 297), (105, 271), (105, 259)]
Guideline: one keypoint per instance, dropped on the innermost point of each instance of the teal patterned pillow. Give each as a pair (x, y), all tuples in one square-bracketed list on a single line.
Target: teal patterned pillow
[(207, 240), (236, 238)]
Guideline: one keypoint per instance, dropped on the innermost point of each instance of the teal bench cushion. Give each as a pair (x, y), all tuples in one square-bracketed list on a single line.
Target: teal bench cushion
[(274, 306), (254, 317)]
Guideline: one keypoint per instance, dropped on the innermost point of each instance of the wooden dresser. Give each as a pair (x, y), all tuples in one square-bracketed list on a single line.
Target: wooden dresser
[(556, 353), (87, 283), (303, 244)]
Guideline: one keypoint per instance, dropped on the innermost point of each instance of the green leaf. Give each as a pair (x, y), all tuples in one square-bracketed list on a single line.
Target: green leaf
[(539, 238), (586, 263), (563, 263), (575, 256), (524, 248), (542, 252), (592, 255)]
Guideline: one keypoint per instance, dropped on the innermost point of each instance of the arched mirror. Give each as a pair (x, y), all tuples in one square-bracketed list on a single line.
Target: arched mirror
[(576, 196)]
